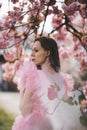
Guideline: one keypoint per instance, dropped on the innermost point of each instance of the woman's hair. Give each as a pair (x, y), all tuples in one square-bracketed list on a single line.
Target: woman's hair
[(50, 44)]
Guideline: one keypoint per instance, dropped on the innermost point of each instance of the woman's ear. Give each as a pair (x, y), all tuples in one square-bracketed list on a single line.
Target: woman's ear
[(48, 53)]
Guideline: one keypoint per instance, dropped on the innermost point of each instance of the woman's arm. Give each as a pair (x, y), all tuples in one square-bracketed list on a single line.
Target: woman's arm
[(26, 102)]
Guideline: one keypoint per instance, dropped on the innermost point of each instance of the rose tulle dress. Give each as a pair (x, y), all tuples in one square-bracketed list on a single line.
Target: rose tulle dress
[(48, 111)]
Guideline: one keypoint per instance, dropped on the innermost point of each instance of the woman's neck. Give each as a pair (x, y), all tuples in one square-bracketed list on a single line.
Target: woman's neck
[(47, 68)]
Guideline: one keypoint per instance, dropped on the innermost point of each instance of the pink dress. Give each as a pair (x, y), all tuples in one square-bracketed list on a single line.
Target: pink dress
[(49, 111)]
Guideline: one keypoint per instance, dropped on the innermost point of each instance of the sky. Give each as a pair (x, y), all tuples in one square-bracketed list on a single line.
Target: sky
[(4, 7)]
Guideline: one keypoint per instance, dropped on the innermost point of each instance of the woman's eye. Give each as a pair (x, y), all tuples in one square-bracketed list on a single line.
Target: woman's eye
[(35, 50)]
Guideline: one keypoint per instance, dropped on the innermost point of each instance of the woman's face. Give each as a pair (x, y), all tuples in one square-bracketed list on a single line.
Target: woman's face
[(38, 55)]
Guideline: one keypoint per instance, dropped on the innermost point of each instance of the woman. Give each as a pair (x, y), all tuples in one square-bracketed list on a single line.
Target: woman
[(44, 91)]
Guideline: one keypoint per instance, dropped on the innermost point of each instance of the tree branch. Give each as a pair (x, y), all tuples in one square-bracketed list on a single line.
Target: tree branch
[(45, 20), (56, 28)]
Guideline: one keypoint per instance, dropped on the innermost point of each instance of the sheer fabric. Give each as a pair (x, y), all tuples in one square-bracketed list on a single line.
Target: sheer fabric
[(48, 111)]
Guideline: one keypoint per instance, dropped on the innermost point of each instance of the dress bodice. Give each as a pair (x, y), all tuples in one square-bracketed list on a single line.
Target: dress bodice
[(62, 115)]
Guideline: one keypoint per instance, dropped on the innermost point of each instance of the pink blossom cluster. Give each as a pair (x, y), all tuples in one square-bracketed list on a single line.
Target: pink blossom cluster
[(6, 23), (81, 56), (71, 9), (8, 71), (56, 21), (64, 53), (85, 90), (83, 10), (13, 53), (15, 15), (4, 41), (83, 105), (11, 67)]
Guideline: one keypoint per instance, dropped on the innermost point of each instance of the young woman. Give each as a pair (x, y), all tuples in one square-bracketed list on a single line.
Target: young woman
[(44, 91)]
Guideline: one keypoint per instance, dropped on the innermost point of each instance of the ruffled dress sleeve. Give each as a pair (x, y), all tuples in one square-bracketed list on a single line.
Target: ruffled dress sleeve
[(27, 77)]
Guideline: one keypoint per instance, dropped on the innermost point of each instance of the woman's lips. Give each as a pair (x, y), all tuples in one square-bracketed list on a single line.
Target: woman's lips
[(33, 59)]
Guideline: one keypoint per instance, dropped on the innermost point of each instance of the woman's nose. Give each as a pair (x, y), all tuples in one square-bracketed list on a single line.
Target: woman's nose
[(32, 54)]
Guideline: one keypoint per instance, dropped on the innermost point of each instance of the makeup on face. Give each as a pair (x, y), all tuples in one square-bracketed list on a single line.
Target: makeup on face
[(38, 55)]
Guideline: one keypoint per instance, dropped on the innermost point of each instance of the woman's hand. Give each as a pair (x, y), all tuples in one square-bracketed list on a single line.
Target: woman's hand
[(26, 102)]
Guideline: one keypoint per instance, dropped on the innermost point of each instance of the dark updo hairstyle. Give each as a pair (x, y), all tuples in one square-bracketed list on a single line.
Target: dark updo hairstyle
[(50, 44)]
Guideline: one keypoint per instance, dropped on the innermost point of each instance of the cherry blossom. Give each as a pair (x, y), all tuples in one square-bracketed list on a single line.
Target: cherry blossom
[(14, 54), (71, 9)]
